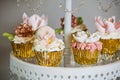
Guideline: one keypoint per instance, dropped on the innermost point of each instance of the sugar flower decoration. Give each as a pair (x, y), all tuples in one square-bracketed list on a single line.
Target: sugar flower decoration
[(45, 35), (35, 21), (107, 25)]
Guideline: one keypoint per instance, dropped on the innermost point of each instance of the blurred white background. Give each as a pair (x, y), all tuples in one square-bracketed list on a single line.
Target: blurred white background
[(11, 15)]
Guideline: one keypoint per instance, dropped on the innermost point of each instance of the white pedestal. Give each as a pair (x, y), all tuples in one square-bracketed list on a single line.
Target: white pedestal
[(21, 70)]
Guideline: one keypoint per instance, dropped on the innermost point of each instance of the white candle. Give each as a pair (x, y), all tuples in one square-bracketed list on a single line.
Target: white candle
[(67, 28)]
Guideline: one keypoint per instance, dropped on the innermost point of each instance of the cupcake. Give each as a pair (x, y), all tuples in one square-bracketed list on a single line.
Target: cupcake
[(86, 49), (110, 34), (48, 49), (23, 41), (78, 28), (23, 37), (76, 25), (119, 40)]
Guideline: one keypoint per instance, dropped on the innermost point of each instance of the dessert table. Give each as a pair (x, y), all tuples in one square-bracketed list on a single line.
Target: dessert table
[(24, 70)]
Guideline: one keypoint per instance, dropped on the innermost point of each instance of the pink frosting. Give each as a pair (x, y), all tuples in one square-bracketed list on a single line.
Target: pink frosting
[(46, 35), (107, 25), (83, 46), (98, 45), (87, 46)]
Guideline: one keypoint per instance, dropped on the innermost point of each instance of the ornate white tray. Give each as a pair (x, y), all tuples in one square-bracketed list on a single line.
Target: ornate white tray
[(21, 70)]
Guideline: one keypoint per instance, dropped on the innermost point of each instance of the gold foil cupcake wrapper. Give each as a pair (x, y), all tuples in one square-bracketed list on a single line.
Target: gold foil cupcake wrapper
[(85, 57), (119, 44), (23, 50), (110, 46), (72, 38), (49, 58)]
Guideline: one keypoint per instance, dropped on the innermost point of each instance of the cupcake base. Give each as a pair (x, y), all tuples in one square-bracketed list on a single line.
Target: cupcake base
[(71, 37), (23, 50), (49, 58), (85, 57), (119, 44), (110, 46)]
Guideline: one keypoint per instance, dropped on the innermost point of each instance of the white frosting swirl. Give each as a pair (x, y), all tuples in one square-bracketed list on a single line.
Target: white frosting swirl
[(21, 39), (109, 35), (83, 37), (56, 45), (78, 28), (80, 36), (93, 38)]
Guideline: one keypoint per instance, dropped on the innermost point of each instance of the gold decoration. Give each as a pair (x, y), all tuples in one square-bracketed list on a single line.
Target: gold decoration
[(85, 57), (119, 44), (49, 58), (23, 50), (110, 46), (24, 30)]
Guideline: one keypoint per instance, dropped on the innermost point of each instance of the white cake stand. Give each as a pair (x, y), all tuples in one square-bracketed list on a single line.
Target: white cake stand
[(21, 70)]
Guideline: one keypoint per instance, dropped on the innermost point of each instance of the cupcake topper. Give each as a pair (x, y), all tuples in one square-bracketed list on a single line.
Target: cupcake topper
[(107, 25), (24, 30), (35, 21), (85, 42), (74, 21), (45, 34), (25, 18), (44, 20)]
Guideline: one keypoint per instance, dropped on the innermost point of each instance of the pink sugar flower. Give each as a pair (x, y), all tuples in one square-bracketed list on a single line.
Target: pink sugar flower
[(107, 25), (117, 26), (35, 21), (43, 42), (46, 33), (100, 24), (25, 18)]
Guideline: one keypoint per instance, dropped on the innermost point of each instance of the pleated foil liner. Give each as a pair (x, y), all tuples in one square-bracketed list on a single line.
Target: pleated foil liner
[(49, 58), (119, 44), (110, 46), (85, 57), (23, 50)]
